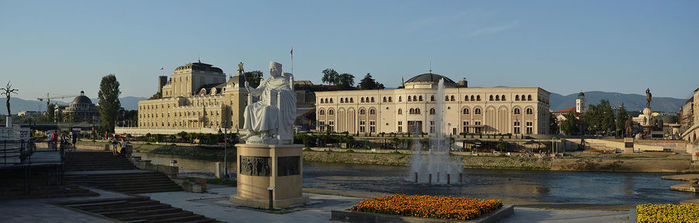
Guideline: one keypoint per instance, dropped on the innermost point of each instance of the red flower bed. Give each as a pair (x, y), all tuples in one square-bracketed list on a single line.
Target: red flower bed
[(426, 206)]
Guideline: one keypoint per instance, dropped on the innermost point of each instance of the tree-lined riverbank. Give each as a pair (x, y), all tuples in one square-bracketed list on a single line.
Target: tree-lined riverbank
[(641, 163)]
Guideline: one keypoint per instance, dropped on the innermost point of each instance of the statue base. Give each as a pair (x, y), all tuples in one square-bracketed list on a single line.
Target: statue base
[(269, 175)]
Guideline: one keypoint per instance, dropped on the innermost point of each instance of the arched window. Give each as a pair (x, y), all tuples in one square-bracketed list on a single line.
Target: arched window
[(384, 99), (420, 99), (491, 98), (516, 111), (452, 98), (390, 99), (502, 97), (400, 111), (465, 111), (466, 98), (372, 99), (362, 99), (331, 112), (351, 100), (478, 98), (417, 111), (411, 111), (432, 111), (497, 97), (431, 97), (516, 97), (372, 111), (342, 100), (471, 97), (331, 100), (530, 111), (477, 111), (524, 98), (410, 98), (446, 98), (529, 97), (362, 111), (400, 98)]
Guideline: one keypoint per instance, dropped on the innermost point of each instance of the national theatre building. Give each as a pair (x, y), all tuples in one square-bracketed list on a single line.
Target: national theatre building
[(503, 110)]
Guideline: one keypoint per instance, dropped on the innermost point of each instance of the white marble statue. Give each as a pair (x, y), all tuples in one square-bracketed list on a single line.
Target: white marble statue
[(270, 120)]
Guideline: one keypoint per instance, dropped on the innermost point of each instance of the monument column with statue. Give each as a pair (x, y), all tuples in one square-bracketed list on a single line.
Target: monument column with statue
[(270, 166), (647, 115)]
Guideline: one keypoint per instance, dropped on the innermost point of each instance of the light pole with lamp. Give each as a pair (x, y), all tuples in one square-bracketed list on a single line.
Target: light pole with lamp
[(225, 150)]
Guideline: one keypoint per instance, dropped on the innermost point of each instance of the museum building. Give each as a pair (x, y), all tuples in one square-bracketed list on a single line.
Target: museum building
[(411, 107)]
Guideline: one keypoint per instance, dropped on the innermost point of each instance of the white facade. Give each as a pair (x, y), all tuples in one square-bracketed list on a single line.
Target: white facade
[(513, 110)]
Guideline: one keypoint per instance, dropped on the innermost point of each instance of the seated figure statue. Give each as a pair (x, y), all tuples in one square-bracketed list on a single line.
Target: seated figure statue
[(270, 120)]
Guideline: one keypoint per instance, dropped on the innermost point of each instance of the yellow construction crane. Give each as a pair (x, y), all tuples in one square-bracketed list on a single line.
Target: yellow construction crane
[(48, 99)]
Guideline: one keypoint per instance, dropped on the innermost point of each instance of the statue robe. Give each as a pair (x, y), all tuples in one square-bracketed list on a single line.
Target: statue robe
[(264, 115)]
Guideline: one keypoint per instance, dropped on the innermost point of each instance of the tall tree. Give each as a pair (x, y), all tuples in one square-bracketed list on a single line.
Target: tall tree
[(368, 82), (8, 91), (553, 124), (330, 76), (50, 110), (569, 125), (345, 81), (109, 101), (621, 117), (253, 77)]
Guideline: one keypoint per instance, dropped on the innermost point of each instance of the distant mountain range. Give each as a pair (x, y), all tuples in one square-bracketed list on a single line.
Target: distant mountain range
[(632, 102), (18, 104)]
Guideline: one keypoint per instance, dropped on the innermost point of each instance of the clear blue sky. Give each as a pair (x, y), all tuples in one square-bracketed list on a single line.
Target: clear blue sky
[(63, 47)]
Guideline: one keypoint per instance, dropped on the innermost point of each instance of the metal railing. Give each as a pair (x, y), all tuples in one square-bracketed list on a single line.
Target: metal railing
[(15, 152)]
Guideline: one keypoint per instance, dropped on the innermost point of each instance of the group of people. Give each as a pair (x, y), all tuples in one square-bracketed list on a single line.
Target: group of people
[(53, 140), (118, 145)]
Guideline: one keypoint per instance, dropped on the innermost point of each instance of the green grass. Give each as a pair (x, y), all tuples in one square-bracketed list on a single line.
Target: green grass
[(228, 182)]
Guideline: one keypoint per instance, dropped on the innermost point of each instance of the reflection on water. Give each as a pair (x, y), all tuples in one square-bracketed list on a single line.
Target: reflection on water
[(188, 166), (542, 186)]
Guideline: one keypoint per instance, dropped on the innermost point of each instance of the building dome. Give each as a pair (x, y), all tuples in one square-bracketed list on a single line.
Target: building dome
[(581, 94), (428, 80), (82, 99)]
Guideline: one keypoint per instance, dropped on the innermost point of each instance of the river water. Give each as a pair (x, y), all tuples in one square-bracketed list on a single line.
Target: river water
[(513, 185)]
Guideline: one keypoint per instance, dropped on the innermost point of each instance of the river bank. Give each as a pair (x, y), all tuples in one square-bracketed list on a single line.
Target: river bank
[(643, 162)]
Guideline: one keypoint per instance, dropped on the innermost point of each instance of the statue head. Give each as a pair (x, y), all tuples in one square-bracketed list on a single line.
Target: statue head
[(275, 69)]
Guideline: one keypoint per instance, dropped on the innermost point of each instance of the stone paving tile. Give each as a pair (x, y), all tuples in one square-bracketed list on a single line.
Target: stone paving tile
[(565, 216), (215, 204)]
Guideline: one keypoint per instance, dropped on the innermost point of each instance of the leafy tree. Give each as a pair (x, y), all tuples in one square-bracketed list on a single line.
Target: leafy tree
[(553, 124), (569, 125), (368, 82), (621, 117), (109, 103), (50, 110), (599, 118), (253, 77), (157, 95), (330, 76), (345, 81)]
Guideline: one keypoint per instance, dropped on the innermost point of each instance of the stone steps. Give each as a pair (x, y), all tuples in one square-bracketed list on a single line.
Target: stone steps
[(137, 209), (90, 161), (130, 183)]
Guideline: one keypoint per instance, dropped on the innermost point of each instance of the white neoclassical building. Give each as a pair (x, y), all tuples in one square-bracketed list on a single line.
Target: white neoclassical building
[(514, 110)]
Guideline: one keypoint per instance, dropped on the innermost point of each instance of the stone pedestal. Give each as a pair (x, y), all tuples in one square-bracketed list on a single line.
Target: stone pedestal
[(628, 145), (264, 168)]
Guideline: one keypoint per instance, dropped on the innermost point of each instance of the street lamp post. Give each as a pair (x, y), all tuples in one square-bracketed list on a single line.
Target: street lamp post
[(225, 151)]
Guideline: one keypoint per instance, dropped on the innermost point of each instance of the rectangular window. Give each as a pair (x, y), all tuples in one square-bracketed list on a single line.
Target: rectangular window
[(372, 126), (362, 126), (331, 125), (530, 129), (322, 126), (400, 126)]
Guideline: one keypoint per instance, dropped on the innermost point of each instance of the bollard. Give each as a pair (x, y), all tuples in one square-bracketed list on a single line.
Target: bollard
[(271, 197), (461, 177), (448, 178), (415, 177), (430, 180)]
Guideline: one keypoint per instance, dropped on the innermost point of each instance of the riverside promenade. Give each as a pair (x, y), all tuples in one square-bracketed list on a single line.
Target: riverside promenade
[(118, 191)]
